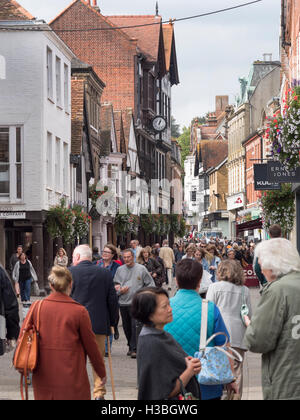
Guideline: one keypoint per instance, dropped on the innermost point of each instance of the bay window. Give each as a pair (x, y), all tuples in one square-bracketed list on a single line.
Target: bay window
[(11, 163)]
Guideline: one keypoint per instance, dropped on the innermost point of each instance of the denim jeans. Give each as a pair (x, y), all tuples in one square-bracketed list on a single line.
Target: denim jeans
[(25, 289)]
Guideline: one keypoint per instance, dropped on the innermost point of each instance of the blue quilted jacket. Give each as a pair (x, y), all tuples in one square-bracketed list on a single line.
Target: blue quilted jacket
[(185, 328)]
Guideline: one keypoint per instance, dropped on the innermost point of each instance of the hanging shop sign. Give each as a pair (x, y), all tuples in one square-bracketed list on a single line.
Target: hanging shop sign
[(235, 201), (261, 182), (278, 173)]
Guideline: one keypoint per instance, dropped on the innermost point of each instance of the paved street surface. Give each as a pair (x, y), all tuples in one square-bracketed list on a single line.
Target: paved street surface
[(124, 370)]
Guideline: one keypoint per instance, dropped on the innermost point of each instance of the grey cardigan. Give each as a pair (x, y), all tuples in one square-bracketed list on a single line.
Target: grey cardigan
[(228, 298), (16, 272)]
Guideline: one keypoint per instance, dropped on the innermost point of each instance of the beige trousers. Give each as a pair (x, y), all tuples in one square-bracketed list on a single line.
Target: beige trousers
[(99, 389), (238, 369)]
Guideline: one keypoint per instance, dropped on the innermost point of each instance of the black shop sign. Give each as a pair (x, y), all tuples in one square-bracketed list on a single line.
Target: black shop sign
[(278, 173), (261, 181)]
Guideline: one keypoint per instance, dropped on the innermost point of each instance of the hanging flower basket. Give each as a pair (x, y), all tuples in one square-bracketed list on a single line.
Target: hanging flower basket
[(60, 222), (284, 133), (278, 207), (147, 223), (94, 194), (81, 223), (126, 223)]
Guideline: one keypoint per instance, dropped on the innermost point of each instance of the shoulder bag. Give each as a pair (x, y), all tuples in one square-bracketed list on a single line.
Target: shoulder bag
[(26, 354), (215, 366)]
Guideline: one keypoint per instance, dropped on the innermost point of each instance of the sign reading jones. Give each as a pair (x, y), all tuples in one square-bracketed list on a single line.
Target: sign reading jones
[(278, 173), (261, 181)]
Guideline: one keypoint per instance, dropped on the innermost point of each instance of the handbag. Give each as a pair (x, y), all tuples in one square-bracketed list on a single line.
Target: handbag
[(26, 354), (215, 366), (205, 282), (244, 308)]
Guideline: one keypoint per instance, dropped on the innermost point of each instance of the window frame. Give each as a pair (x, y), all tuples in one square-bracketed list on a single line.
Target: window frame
[(16, 185)]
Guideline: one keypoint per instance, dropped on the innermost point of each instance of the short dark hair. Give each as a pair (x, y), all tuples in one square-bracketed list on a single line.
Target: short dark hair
[(144, 304), (275, 231), (188, 274)]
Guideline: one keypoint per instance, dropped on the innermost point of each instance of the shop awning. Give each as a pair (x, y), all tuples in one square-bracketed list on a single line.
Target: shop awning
[(251, 225)]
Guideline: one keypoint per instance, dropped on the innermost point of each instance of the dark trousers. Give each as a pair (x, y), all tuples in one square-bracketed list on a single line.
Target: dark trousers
[(131, 327)]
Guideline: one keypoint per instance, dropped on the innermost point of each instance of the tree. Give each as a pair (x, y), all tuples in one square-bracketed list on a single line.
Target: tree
[(175, 128), (185, 142)]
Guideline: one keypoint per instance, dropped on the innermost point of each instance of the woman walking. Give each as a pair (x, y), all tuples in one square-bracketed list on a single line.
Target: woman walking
[(229, 294), (23, 275), (61, 258), (66, 339), (162, 363), (153, 266), (109, 261)]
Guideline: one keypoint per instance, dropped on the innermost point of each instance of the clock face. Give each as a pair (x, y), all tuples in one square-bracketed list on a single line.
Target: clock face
[(159, 124)]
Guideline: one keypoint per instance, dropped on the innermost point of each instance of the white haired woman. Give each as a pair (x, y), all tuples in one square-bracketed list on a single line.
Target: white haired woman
[(273, 330)]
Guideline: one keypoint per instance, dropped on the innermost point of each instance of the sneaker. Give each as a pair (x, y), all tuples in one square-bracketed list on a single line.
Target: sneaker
[(133, 355), (99, 399), (129, 353)]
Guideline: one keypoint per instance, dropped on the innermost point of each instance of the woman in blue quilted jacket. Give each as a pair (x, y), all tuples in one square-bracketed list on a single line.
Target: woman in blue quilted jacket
[(186, 325)]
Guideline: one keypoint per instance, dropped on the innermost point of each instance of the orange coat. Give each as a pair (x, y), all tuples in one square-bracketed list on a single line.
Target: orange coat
[(66, 338)]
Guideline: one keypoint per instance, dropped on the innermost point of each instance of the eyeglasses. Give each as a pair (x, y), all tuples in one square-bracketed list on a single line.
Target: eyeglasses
[(106, 252)]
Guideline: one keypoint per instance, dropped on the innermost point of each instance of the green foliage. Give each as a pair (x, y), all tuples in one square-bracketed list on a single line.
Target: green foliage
[(67, 223), (60, 222), (185, 142), (284, 132), (278, 207), (175, 128), (126, 223)]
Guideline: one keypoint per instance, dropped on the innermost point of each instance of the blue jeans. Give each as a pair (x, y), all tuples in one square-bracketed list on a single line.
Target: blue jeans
[(25, 290), (110, 340)]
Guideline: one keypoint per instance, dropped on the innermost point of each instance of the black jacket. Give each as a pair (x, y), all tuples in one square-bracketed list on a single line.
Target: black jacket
[(93, 288), (9, 308)]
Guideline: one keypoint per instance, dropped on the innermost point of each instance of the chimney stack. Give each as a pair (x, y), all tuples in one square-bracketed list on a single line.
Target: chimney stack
[(95, 6)]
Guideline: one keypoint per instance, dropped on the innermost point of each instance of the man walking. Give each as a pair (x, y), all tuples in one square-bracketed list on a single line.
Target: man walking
[(93, 288), (129, 279), (167, 255)]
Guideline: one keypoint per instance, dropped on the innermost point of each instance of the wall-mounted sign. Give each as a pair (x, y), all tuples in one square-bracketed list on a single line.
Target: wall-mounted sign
[(261, 181), (12, 215), (235, 201), (278, 173)]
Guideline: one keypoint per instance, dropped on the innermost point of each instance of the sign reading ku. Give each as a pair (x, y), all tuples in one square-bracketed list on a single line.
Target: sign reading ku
[(278, 173), (261, 182)]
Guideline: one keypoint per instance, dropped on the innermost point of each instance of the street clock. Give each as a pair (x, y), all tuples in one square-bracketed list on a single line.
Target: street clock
[(159, 124)]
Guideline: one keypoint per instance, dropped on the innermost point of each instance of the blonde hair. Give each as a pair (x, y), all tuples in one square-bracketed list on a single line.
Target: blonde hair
[(60, 279), (231, 271), (63, 251)]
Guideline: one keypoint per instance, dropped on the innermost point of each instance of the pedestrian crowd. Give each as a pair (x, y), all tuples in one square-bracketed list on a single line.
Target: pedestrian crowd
[(209, 302)]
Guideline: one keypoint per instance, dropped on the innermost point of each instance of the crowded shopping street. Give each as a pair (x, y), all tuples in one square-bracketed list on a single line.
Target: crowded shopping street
[(149, 203)]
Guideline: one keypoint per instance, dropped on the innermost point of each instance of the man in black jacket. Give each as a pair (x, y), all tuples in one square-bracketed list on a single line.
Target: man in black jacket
[(9, 312), (93, 288)]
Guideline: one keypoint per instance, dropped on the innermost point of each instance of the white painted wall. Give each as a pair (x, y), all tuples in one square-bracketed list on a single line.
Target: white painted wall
[(24, 101)]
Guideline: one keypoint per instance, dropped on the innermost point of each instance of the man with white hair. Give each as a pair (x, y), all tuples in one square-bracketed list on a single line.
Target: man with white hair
[(93, 288), (275, 326)]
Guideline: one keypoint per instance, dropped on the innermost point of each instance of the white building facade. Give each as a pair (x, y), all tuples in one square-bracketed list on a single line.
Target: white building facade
[(35, 134)]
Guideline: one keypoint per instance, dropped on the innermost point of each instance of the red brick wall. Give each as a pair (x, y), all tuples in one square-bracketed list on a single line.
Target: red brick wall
[(110, 52), (253, 151)]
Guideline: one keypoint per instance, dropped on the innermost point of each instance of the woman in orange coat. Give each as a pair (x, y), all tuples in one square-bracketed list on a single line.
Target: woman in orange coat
[(66, 338)]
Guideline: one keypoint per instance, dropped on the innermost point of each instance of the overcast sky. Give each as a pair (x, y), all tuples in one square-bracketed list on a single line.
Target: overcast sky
[(212, 52)]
